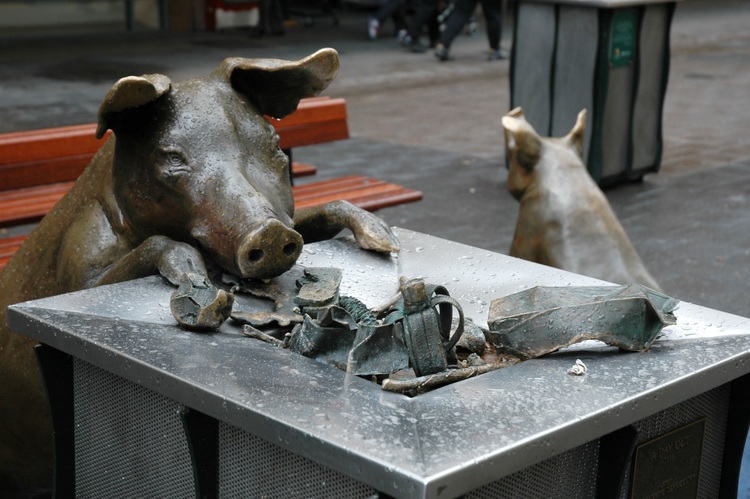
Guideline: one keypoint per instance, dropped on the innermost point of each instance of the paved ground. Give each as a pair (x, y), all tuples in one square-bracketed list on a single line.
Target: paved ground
[(436, 127)]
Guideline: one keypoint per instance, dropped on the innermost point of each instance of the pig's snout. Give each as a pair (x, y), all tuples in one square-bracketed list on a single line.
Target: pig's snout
[(269, 250)]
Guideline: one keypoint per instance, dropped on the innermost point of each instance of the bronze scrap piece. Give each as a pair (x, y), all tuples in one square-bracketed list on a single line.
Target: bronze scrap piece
[(542, 320), (199, 305)]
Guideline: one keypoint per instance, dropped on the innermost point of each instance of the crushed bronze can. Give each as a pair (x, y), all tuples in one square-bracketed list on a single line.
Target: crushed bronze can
[(426, 316)]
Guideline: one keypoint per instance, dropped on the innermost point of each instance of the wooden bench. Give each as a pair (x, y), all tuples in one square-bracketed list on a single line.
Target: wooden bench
[(38, 167), (41, 157)]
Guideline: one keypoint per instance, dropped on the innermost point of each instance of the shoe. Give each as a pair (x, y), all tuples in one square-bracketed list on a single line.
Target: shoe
[(441, 52), (417, 47), (402, 35), (373, 26), (497, 55)]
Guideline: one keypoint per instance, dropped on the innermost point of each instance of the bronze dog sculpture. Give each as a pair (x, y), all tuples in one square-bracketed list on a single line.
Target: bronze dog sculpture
[(193, 179), (565, 221)]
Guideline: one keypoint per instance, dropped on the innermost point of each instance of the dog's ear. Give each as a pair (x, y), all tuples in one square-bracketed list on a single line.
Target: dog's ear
[(522, 143), (576, 135)]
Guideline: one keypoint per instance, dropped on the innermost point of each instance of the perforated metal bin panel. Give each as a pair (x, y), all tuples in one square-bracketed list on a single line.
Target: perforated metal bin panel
[(129, 440), (571, 474), (714, 406), (130, 443), (574, 473), (251, 467)]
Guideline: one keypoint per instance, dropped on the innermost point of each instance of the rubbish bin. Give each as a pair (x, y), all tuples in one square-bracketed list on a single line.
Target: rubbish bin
[(608, 56)]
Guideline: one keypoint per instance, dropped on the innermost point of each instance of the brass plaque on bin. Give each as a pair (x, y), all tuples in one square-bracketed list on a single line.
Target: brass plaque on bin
[(669, 466)]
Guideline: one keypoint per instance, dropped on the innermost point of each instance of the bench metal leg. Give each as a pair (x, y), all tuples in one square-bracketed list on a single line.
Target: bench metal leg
[(57, 372)]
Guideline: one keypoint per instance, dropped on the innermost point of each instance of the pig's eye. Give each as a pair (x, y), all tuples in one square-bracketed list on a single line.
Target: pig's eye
[(175, 159), (173, 164)]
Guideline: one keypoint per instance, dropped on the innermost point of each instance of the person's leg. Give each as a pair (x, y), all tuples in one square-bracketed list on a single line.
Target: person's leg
[(271, 17), (457, 19), (422, 12), (400, 19), (493, 18), (387, 9), (433, 26), (373, 22)]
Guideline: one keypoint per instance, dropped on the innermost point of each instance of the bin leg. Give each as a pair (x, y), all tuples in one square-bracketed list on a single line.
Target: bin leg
[(202, 433), (738, 420), (57, 372)]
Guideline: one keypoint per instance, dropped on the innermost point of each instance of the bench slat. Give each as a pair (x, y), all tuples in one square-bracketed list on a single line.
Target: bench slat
[(9, 245), (32, 203), (367, 193), (47, 143), (303, 169), (370, 198), (302, 191), (31, 173)]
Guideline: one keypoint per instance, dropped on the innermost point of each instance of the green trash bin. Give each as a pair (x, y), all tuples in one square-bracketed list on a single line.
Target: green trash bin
[(608, 56)]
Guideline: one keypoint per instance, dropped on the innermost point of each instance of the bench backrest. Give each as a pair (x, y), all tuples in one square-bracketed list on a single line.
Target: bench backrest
[(40, 157)]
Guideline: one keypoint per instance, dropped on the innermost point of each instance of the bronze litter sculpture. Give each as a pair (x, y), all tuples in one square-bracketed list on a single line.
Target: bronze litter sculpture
[(542, 320), (193, 182), (426, 314), (565, 221)]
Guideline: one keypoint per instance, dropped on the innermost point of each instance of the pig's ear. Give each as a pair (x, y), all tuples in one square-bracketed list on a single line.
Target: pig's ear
[(128, 93), (521, 140), (276, 86), (576, 135)]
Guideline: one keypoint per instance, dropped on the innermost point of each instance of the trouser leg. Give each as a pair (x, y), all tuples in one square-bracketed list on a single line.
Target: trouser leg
[(493, 18), (386, 10), (422, 12), (457, 19)]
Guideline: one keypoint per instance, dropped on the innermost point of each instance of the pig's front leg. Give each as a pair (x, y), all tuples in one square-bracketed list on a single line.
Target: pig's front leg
[(197, 304), (156, 255), (324, 222)]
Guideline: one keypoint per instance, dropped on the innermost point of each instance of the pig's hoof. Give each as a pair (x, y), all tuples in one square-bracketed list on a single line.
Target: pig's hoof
[(198, 304)]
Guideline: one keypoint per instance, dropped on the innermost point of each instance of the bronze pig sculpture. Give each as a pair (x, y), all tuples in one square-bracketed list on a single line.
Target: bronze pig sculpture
[(565, 221), (193, 180)]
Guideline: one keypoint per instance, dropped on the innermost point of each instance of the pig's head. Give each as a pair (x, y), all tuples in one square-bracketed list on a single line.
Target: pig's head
[(198, 162), (528, 153)]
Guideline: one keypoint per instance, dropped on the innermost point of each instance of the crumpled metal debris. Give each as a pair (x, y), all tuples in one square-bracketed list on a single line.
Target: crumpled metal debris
[(318, 287), (421, 384), (299, 287), (427, 330), (542, 320), (346, 335), (199, 305), (473, 338), (579, 369), (414, 330), (324, 339), (263, 302)]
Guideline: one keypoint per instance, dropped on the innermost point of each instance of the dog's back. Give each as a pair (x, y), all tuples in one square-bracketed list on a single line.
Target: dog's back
[(565, 221)]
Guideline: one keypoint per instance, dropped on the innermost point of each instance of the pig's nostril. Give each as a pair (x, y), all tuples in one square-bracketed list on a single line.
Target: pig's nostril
[(255, 255), (268, 250)]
